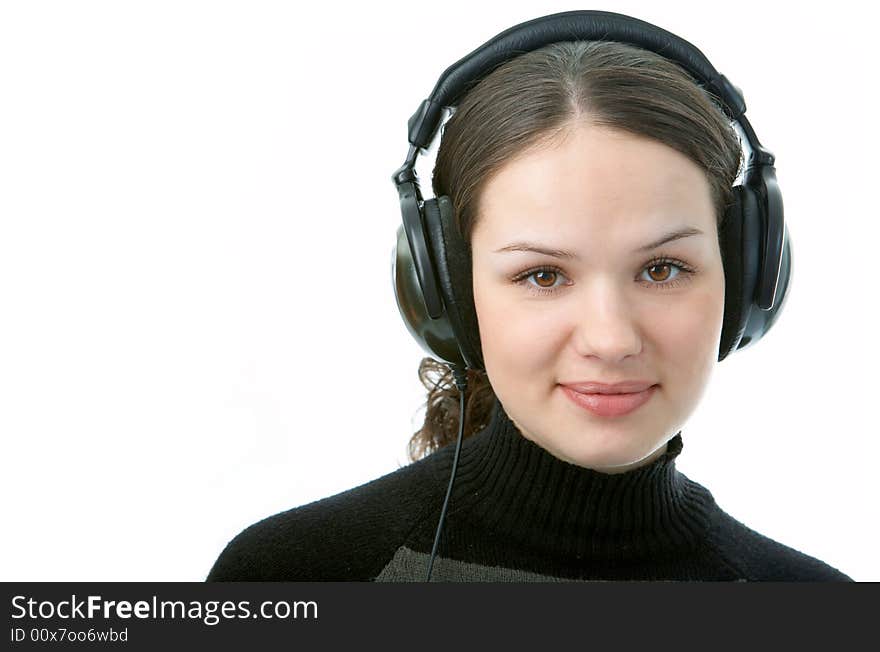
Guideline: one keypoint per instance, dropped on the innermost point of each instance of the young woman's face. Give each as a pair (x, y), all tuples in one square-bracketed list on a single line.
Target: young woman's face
[(608, 312)]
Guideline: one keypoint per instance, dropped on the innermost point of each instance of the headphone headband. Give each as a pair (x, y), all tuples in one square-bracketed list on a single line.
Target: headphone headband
[(578, 25)]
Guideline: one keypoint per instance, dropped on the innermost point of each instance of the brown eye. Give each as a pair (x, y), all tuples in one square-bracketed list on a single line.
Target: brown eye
[(542, 280), (662, 266), (547, 275)]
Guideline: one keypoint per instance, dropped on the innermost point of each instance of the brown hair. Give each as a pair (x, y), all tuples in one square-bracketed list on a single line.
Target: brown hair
[(529, 102)]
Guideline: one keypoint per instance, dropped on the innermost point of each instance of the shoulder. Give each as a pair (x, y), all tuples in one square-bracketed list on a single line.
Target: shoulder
[(760, 558), (347, 536)]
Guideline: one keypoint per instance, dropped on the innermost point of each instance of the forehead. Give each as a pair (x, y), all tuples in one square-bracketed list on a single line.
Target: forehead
[(596, 179)]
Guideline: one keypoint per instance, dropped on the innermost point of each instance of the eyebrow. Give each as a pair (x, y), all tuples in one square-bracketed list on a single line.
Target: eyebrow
[(563, 253)]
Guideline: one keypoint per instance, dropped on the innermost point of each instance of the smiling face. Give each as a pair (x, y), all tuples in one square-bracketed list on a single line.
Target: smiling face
[(607, 310)]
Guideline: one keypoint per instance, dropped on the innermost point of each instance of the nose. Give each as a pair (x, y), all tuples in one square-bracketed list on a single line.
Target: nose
[(606, 324)]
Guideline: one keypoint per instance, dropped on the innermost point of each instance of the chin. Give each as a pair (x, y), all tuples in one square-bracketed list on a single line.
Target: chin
[(611, 454)]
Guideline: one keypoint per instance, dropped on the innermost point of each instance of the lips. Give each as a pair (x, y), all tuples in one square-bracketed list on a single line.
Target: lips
[(609, 404), (623, 387)]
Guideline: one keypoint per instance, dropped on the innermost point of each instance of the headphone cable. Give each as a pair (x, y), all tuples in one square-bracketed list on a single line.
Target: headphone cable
[(460, 375)]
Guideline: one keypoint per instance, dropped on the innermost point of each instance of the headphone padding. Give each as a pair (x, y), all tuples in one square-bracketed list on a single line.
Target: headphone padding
[(737, 239), (452, 260)]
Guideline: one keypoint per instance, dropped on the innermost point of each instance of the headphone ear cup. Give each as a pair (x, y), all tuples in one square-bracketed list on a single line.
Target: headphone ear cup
[(435, 336), (742, 240), (761, 321), (452, 260)]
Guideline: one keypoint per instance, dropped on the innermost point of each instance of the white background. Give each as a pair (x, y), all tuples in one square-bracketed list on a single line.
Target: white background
[(197, 323)]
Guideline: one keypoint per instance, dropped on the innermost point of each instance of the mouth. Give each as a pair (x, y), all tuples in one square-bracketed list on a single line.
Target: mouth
[(621, 387), (610, 404)]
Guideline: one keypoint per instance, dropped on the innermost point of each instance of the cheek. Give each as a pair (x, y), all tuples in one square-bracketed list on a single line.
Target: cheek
[(516, 339), (688, 337)]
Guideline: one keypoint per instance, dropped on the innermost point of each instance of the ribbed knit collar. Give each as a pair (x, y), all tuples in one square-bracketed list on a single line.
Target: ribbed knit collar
[(511, 487)]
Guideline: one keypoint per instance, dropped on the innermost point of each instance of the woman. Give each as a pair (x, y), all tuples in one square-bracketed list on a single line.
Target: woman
[(589, 180)]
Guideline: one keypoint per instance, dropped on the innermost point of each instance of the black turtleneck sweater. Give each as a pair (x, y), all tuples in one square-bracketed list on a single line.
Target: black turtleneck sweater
[(516, 514)]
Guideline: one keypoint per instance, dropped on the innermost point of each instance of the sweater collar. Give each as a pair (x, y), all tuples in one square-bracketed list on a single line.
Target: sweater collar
[(514, 488)]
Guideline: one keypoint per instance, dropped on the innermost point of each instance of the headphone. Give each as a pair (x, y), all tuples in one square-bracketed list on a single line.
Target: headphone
[(431, 264)]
